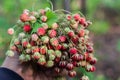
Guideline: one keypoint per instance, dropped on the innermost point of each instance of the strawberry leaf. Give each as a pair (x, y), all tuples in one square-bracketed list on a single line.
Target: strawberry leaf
[(52, 17)]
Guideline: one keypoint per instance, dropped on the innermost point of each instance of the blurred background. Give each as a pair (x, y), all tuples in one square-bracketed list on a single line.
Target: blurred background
[(105, 31)]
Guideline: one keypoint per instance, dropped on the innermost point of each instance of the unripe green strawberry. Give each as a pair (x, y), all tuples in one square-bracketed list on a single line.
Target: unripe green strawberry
[(36, 55), (45, 39), (28, 45), (36, 14), (50, 64), (22, 57), (16, 41), (51, 52), (58, 53), (44, 25), (47, 9), (27, 57), (10, 53), (67, 29), (84, 78), (51, 57), (42, 61), (54, 26), (54, 41), (32, 19)]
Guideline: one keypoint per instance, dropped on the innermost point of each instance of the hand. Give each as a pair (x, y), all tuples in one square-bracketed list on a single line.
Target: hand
[(27, 71)]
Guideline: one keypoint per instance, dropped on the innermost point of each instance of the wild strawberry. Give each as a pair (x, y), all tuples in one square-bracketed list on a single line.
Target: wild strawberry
[(57, 70), (52, 33), (93, 68), (13, 48), (45, 26), (35, 49), (58, 47), (32, 19), (72, 73), (32, 43), (72, 50), (10, 31), (83, 63), (22, 57), (43, 50), (24, 17), (25, 43), (49, 64), (28, 51), (34, 37), (74, 25), (16, 41), (27, 28), (77, 57), (90, 49), (81, 32), (57, 59), (82, 20), (64, 46), (42, 11), (67, 30), (44, 18), (62, 38), (51, 52), (36, 14), (75, 39), (62, 64), (54, 26), (27, 57), (84, 78), (41, 31), (21, 35), (88, 58), (54, 41), (69, 17), (45, 39), (71, 33), (10, 53), (58, 53), (42, 61), (74, 63), (93, 61), (70, 66), (76, 17), (51, 57), (26, 11)]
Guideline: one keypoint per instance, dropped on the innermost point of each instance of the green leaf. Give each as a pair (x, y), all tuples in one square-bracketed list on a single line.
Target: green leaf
[(52, 17), (36, 26)]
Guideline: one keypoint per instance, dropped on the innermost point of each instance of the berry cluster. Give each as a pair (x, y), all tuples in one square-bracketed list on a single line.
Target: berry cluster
[(52, 40)]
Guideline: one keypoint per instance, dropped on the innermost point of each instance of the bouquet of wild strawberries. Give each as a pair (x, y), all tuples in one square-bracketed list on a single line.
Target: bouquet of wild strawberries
[(54, 40)]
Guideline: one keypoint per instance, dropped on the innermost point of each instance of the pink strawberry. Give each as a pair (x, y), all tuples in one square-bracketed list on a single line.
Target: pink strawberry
[(77, 57), (26, 11), (54, 26), (62, 38), (71, 33), (35, 49), (70, 66), (13, 48), (24, 17), (25, 43), (10, 31), (27, 28), (76, 17), (69, 17), (41, 31), (45, 26), (44, 18), (72, 73), (34, 37), (72, 50), (32, 19), (42, 11), (81, 32), (54, 41), (52, 33), (43, 50)]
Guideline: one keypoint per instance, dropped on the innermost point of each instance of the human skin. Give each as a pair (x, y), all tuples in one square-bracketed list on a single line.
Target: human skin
[(15, 65)]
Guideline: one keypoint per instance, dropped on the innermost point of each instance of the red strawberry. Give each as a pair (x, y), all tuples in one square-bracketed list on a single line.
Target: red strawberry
[(71, 33), (81, 32), (73, 50), (72, 73), (41, 31), (57, 59), (69, 17), (43, 50), (90, 49), (57, 70), (74, 63), (75, 39), (62, 38), (58, 47), (93, 68), (93, 61), (62, 64), (70, 66), (27, 28), (77, 57), (54, 41), (35, 49), (76, 17), (24, 17), (82, 20), (44, 18), (32, 43), (52, 33), (25, 43)]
